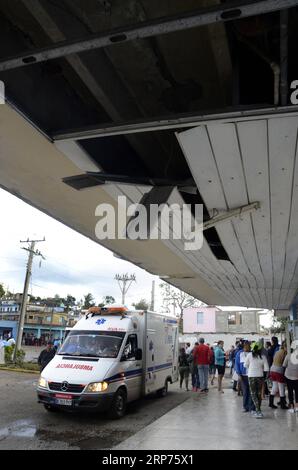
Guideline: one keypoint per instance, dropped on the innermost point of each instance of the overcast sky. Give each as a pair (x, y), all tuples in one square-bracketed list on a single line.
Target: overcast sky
[(74, 264)]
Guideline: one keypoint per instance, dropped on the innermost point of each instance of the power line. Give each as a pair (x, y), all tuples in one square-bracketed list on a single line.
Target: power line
[(124, 282), (69, 267)]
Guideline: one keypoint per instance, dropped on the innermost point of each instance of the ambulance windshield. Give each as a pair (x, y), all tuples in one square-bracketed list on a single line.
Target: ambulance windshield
[(92, 344)]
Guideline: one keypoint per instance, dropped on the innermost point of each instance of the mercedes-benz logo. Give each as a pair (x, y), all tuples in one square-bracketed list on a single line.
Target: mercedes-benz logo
[(64, 386)]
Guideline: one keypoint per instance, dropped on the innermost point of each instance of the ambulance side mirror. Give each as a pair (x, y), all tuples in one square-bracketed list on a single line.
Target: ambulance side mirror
[(139, 354)]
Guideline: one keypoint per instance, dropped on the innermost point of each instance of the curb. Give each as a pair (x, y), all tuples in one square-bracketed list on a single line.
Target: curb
[(20, 370)]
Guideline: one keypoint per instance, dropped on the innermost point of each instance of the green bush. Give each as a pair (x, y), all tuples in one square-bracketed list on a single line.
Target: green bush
[(20, 356), (8, 352), (8, 355)]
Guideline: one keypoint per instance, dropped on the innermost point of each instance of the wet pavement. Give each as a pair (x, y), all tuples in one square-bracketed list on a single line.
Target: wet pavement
[(215, 421), (25, 424)]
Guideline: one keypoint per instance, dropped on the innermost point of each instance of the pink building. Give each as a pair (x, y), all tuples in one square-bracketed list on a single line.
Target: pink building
[(200, 319)]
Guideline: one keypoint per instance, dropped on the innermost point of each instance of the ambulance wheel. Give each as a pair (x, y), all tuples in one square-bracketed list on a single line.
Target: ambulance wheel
[(50, 408), (163, 391), (118, 406)]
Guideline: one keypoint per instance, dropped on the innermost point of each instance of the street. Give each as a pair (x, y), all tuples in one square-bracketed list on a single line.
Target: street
[(25, 424)]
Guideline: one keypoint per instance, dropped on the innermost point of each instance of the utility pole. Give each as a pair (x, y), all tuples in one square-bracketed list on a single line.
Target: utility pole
[(32, 253), (152, 296), (125, 282)]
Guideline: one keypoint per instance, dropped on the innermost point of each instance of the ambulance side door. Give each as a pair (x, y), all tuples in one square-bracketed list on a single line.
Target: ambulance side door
[(132, 368)]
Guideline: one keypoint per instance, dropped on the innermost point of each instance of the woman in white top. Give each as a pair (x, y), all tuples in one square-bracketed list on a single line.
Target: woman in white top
[(256, 364), (291, 375)]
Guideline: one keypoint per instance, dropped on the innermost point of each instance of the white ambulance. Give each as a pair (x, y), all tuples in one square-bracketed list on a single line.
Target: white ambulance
[(110, 358)]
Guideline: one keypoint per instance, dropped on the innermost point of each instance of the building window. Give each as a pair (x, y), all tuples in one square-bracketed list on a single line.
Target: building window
[(200, 318), (232, 319)]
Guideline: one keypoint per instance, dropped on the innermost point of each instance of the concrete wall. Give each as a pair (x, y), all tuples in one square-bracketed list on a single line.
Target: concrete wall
[(246, 322), (217, 321), (190, 319), (228, 338)]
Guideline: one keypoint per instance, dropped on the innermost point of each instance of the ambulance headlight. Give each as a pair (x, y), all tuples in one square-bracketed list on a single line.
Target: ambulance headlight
[(42, 383), (97, 387)]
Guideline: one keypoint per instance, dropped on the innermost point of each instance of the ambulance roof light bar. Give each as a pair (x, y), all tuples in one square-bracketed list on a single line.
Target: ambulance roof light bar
[(107, 310)]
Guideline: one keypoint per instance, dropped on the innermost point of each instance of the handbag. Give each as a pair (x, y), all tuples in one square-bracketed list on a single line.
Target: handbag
[(235, 377)]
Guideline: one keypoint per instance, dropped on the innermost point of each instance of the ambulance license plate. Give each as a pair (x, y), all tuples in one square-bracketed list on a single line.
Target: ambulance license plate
[(63, 401)]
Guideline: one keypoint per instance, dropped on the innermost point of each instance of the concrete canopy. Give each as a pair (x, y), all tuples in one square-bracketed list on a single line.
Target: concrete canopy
[(32, 168), (239, 162), (232, 62)]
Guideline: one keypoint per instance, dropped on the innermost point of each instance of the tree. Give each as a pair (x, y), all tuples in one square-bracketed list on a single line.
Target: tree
[(55, 302), (2, 291), (279, 325), (88, 301), (178, 299), (141, 305), (35, 299), (69, 302), (107, 300)]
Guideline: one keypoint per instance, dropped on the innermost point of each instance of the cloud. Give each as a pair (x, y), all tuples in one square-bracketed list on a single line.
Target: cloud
[(74, 264)]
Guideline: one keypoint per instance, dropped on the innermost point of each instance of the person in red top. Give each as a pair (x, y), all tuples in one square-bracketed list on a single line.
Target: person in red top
[(202, 356)]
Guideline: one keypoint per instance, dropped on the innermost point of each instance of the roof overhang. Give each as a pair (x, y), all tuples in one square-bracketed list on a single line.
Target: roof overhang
[(234, 163), (32, 168)]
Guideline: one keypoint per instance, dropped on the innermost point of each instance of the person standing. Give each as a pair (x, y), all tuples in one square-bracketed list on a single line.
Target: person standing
[(236, 386), (212, 368), (183, 368), (46, 355), (264, 352), (189, 348), (278, 379), (231, 359), (244, 349), (193, 369), (291, 375), (272, 350), (57, 343), (220, 363), (256, 364), (201, 355)]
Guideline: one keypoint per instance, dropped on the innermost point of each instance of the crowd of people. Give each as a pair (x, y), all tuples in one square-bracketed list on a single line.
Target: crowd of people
[(30, 339), (257, 370)]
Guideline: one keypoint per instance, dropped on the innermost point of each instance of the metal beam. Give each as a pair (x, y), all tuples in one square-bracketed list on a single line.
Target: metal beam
[(99, 178), (218, 13), (230, 215), (171, 122)]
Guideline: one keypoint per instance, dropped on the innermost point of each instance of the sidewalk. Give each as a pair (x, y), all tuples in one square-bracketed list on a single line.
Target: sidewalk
[(215, 421)]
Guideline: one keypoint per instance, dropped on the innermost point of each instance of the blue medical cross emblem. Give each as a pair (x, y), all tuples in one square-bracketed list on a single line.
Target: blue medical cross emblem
[(101, 321)]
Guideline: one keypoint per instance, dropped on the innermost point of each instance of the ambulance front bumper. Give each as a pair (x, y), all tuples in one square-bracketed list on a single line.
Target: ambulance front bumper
[(95, 401)]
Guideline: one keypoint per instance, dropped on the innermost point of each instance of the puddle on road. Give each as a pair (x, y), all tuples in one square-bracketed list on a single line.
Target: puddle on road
[(21, 428), (26, 429), (104, 440)]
